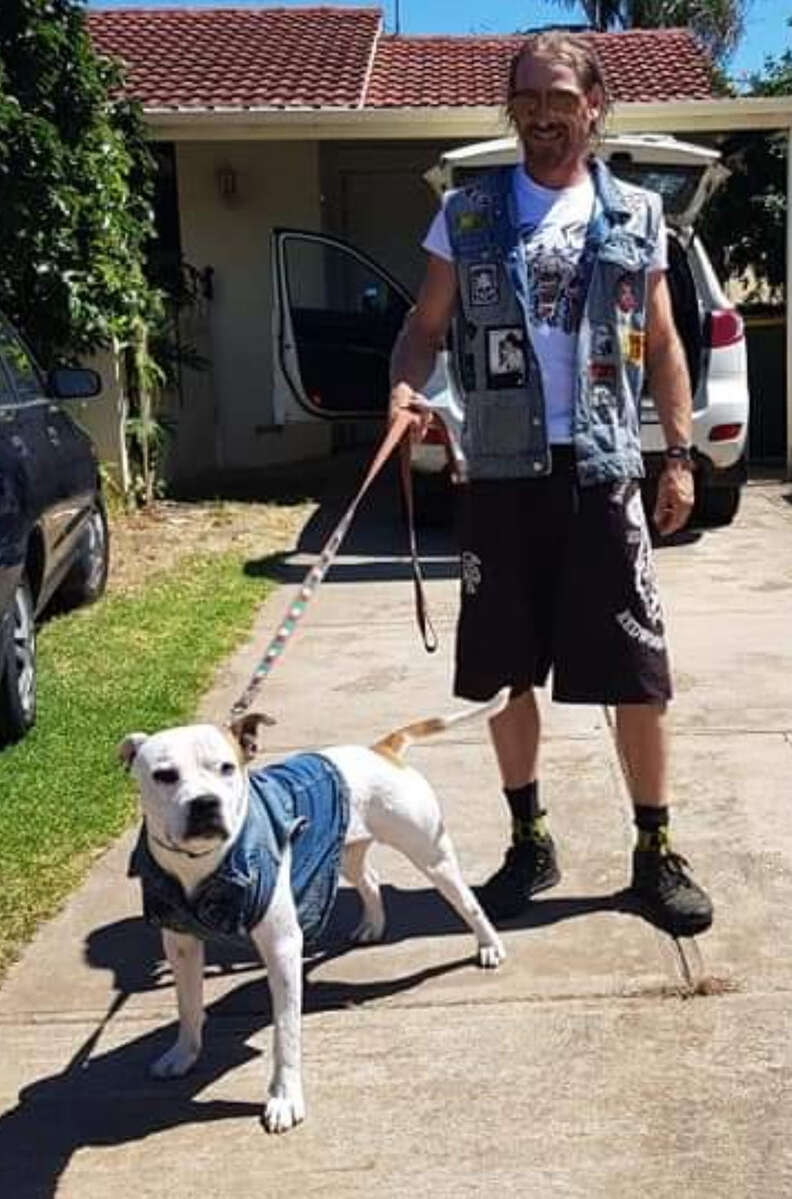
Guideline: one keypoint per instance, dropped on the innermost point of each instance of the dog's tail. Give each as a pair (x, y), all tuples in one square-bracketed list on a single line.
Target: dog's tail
[(394, 745)]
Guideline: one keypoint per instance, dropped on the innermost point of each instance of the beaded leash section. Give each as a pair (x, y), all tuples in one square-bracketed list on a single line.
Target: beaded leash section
[(318, 571)]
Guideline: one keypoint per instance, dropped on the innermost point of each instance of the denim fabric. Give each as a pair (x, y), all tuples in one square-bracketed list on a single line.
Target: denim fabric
[(504, 433), (303, 801)]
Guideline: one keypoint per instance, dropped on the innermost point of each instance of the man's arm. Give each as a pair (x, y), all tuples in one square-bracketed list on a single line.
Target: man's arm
[(421, 339), (670, 388)]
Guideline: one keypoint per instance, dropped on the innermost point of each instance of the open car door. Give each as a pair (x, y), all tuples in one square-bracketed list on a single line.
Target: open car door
[(336, 316)]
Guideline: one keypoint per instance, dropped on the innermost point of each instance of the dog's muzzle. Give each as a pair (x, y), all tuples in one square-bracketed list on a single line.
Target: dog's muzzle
[(205, 819)]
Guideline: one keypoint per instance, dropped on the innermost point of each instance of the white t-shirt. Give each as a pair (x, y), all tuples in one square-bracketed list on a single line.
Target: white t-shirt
[(553, 224)]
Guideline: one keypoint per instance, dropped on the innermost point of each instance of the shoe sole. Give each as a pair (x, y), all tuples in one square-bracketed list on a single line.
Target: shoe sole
[(512, 914), (692, 929)]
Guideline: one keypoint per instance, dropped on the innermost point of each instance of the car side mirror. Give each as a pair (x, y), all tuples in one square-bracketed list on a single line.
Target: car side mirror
[(74, 383)]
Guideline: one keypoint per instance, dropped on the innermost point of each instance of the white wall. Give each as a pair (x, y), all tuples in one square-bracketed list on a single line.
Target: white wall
[(103, 417), (230, 423)]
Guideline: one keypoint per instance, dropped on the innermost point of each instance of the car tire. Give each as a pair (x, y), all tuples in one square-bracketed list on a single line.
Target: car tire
[(18, 667), (87, 577), (717, 506)]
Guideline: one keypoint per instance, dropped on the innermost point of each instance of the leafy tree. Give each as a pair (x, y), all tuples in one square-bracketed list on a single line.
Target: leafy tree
[(75, 185), (719, 23), (745, 222)]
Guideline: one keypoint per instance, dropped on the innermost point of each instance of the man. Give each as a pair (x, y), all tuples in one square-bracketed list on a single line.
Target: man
[(557, 258)]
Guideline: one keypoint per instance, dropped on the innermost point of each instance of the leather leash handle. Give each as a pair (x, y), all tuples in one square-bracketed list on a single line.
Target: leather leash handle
[(397, 432), (421, 608)]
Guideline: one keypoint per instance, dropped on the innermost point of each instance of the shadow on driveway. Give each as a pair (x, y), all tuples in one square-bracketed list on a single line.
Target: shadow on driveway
[(109, 1099)]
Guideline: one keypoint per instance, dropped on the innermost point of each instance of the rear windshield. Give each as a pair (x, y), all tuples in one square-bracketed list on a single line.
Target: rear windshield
[(676, 184)]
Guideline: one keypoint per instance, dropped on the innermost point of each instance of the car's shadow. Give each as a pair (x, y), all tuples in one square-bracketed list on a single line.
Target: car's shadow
[(106, 1097)]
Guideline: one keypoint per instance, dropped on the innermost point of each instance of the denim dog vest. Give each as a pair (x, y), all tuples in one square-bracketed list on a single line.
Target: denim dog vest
[(303, 802)]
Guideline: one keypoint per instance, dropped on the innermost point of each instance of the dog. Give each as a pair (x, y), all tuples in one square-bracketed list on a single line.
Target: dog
[(229, 851)]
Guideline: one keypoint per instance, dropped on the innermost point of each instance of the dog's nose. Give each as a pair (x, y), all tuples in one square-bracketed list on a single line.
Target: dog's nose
[(204, 817)]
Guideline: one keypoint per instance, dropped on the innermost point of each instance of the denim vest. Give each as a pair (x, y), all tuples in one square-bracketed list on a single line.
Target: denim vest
[(302, 801), (504, 432)]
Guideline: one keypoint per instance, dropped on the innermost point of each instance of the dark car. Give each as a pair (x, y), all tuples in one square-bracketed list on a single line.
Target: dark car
[(53, 525)]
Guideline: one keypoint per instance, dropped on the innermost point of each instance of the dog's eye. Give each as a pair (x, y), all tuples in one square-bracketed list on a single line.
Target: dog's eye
[(167, 775), (227, 769)]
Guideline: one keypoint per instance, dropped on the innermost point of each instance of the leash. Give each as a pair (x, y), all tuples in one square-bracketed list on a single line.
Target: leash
[(396, 435)]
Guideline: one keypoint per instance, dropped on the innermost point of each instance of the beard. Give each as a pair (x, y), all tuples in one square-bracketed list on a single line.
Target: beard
[(552, 146)]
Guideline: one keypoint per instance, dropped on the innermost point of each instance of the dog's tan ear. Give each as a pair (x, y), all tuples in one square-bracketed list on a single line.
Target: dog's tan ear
[(127, 749), (245, 730)]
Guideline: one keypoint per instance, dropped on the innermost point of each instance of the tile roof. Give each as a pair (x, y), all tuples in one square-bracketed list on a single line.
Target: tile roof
[(330, 57), (645, 64), (240, 57)]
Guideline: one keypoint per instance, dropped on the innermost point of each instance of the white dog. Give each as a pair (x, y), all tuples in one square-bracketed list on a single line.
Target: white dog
[(231, 852)]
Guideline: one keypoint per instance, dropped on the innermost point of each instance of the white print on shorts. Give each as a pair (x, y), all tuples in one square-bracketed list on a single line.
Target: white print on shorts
[(648, 630), (471, 572)]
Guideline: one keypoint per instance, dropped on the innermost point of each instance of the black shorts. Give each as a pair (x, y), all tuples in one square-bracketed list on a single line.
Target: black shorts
[(554, 575)]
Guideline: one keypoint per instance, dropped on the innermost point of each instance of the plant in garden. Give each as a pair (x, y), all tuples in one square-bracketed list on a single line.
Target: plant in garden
[(76, 181), (745, 222)]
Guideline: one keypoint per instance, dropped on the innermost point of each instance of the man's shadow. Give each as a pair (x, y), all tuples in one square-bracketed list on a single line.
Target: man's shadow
[(109, 1098)]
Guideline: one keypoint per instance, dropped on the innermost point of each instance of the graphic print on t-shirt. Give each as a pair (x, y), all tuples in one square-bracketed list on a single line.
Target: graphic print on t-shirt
[(556, 280)]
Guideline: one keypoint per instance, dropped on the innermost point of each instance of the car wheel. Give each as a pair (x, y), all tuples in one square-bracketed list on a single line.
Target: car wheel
[(18, 667), (717, 505), (87, 578)]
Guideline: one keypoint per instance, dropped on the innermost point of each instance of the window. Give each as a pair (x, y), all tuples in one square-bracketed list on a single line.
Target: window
[(19, 364)]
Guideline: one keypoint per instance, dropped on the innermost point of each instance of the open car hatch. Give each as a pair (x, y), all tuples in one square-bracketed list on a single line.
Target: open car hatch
[(684, 175)]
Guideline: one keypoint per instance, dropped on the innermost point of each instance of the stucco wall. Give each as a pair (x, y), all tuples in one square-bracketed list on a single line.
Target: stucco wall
[(376, 197), (230, 414)]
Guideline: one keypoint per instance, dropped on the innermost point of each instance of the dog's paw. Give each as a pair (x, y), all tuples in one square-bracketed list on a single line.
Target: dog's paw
[(176, 1062), (491, 955), (369, 931), (282, 1112)]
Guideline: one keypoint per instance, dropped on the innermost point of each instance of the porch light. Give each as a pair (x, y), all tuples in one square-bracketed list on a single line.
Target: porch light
[(227, 182)]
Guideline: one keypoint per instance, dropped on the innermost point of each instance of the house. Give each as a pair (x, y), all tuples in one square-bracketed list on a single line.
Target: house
[(316, 118)]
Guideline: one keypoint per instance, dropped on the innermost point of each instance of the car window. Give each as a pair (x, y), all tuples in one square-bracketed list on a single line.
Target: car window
[(345, 317), (19, 364), (7, 393)]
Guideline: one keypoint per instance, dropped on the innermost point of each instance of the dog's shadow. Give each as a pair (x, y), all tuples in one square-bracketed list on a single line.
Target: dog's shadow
[(107, 1098)]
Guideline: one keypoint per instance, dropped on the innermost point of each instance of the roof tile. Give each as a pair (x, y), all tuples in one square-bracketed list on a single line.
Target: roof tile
[(641, 64), (321, 57), (261, 57)]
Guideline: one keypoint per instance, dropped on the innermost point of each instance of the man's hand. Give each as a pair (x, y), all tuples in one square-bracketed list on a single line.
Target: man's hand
[(674, 498), (404, 399)]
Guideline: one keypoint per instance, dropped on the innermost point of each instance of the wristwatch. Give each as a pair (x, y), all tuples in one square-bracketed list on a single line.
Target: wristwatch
[(680, 453)]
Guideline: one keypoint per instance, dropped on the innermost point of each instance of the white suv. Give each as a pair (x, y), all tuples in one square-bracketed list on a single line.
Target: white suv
[(335, 322)]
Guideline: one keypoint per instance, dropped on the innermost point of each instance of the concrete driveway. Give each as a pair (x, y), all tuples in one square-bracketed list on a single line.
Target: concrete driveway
[(602, 1061)]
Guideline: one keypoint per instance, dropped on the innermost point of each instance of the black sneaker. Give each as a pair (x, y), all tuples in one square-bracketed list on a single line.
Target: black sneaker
[(667, 895), (527, 868)]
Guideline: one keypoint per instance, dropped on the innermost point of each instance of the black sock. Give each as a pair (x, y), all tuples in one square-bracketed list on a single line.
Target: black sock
[(527, 817), (652, 825)]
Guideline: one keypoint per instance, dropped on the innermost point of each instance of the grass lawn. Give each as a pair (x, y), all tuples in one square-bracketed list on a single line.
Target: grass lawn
[(136, 661)]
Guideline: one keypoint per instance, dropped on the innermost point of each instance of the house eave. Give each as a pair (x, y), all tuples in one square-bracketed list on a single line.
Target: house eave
[(474, 122)]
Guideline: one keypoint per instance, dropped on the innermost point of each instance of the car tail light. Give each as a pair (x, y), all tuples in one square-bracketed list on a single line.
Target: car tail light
[(724, 432), (723, 327)]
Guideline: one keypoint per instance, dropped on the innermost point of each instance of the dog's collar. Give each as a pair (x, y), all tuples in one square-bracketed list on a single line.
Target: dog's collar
[(177, 849)]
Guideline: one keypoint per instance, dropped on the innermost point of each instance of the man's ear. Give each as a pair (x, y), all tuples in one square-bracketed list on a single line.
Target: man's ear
[(596, 106), (245, 730), (128, 748)]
